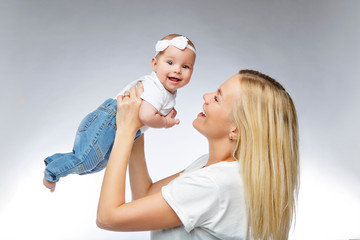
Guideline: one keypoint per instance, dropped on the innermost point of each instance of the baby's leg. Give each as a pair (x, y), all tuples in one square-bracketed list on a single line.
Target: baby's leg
[(93, 139), (61, 165), (101, 165)]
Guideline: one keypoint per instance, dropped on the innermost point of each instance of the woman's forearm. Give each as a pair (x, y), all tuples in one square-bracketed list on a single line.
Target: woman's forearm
[(149, 212), (112, 193), (140, 180)]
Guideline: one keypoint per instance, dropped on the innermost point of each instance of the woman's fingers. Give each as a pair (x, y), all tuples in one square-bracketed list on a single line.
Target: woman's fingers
[(139, 88), (119, 98), (129, 103), (126, 94), (133, 92)]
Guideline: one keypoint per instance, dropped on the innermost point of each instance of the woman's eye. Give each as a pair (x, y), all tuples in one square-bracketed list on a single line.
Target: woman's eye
[(170, 62), (216, 99)]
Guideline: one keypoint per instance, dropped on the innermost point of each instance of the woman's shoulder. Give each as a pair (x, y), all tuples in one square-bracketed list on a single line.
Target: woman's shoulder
[(214, 195), (225, 174), (222, 175)]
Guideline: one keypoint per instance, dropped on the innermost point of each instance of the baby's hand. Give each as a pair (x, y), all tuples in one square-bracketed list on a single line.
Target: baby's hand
[(170, 119)]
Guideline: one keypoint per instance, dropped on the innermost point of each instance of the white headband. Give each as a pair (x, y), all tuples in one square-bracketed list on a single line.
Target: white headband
[(180, 42)]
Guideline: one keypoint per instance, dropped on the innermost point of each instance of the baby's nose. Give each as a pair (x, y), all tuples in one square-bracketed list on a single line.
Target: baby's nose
[(176, 68)]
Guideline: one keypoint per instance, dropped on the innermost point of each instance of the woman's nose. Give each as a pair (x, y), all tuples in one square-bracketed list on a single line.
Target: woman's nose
[(206, 97)]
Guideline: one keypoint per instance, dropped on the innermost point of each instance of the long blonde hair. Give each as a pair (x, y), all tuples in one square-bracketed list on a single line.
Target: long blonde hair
[(267, 150)]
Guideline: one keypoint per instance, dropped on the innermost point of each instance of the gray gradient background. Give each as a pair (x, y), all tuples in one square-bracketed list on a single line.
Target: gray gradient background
[(60, 59)]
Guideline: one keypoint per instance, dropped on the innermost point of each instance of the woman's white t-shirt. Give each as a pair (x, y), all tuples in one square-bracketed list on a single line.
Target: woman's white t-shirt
[(209, 201)]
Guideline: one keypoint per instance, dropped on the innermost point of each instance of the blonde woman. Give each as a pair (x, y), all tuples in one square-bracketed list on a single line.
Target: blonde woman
[(245, 188)]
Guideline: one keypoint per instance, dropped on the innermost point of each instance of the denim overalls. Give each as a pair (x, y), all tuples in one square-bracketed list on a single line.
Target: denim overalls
[(93, 143)]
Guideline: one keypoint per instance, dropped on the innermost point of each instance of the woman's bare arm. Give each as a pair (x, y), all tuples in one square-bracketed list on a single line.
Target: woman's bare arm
[(147, 213)]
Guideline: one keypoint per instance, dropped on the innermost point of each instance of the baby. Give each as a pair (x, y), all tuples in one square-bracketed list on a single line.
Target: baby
[(172, 69)]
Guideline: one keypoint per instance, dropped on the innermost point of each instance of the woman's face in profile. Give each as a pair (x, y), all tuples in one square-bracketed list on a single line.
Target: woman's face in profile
[(215, 119)]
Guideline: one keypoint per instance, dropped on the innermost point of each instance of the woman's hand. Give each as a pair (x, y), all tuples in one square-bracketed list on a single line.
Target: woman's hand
[(128, 107)]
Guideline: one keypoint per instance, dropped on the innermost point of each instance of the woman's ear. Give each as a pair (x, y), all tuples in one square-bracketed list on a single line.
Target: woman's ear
[(154, 64), (234, 133)]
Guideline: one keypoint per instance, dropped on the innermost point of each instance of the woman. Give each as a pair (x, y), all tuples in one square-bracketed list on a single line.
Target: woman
[(244, 188)]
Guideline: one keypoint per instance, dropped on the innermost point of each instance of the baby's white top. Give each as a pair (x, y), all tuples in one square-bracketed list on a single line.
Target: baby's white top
[(154, 93), (209, 201)]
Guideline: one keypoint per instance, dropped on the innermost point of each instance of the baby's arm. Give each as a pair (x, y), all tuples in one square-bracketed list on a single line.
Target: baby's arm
[(149, 116)]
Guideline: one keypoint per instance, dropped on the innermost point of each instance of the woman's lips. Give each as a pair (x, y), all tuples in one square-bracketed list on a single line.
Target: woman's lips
[(201, 115)]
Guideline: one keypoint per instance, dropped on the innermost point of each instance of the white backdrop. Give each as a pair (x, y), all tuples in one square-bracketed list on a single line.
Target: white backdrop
[(60, 59)]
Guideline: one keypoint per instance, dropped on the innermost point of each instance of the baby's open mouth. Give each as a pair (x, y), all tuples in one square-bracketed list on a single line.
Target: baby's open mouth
[(174, 79)]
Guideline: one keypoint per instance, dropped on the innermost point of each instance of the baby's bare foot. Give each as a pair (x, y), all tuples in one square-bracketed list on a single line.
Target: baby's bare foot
[(49, 185)]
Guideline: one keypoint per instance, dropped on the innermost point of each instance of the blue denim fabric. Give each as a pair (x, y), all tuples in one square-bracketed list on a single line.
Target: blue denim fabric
[(93, 143)]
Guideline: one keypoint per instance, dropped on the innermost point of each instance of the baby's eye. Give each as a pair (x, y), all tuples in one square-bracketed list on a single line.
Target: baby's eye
[(186, 67), (216, 98), (170, 62)]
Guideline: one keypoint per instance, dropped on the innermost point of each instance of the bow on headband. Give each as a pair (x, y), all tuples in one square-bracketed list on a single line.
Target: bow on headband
[(180, 42)]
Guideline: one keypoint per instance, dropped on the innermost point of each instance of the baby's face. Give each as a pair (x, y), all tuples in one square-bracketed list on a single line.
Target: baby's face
[(174, 67)]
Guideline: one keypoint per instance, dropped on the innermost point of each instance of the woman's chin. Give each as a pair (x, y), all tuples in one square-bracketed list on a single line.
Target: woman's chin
[(196, 125)]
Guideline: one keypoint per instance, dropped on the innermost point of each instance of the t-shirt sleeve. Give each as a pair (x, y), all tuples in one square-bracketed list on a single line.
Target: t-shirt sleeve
[(194, 197), (152, 94)]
